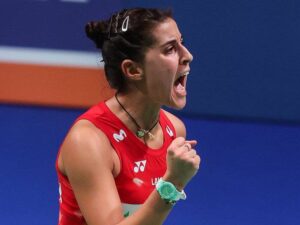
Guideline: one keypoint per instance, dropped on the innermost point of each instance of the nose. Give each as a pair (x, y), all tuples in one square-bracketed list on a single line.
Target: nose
[(186, 56)]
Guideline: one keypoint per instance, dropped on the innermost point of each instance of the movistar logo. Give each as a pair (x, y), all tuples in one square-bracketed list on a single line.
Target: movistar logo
[(120, 136)]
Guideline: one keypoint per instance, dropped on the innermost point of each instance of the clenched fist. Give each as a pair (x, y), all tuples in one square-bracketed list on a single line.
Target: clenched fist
[(182, 162)]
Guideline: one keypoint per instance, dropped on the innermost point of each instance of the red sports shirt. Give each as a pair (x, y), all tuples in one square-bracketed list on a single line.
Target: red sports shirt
[(141, 166)]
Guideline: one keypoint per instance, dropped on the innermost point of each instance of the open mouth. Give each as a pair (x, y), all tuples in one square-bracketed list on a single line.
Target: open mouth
[(181, 80), (180, 84)]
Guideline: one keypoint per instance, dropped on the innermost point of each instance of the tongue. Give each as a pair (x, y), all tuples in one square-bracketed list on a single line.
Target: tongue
[(179, 89)]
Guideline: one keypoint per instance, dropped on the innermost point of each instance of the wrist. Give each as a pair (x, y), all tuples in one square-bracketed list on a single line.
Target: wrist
[(178, 184), (168, 192)]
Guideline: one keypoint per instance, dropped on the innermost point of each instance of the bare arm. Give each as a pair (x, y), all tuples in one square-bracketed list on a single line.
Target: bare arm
[(88, 163)]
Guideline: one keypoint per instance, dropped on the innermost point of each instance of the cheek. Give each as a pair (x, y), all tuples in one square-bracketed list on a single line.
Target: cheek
[(161, 73), (160, 85)]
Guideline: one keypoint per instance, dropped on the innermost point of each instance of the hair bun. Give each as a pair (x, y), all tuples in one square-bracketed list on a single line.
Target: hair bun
[(97, 32)]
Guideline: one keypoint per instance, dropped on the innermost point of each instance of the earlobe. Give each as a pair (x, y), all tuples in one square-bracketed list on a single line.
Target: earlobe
[(131, 70)]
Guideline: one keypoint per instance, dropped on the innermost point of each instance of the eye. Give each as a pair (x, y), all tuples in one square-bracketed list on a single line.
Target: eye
[(171, 49)]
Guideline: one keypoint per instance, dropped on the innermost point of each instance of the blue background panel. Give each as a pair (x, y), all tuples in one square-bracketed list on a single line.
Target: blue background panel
[(51, 24)]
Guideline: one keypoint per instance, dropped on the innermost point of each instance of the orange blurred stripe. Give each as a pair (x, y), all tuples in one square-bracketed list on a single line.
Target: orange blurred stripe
[(52, 85)]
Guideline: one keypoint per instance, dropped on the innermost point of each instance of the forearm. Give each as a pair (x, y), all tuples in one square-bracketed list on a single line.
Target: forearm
[(153, 212)]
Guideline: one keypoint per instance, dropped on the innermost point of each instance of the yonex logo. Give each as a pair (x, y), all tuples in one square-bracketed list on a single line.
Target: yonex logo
[(120, 136), (139, 166)]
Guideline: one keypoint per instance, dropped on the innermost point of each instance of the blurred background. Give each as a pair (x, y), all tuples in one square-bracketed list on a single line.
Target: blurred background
[(243, 104)]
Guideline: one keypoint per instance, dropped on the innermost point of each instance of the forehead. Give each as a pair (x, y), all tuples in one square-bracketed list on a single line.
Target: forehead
[(166, 31)]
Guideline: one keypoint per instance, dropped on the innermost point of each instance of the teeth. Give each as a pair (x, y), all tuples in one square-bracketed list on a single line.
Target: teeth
[(185, 74)]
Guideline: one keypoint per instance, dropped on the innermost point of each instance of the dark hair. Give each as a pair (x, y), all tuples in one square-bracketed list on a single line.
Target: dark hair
[(125, 35)]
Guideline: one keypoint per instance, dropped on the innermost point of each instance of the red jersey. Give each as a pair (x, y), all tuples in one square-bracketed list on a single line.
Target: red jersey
[(141, 166)]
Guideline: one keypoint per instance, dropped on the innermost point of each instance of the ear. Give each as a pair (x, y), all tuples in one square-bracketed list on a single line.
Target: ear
[(132, 70)]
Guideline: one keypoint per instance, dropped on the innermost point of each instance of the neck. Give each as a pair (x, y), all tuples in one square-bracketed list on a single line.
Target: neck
[(140, 112)]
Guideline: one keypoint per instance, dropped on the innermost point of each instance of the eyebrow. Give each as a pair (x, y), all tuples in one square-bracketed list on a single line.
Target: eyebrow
[(173, 41)]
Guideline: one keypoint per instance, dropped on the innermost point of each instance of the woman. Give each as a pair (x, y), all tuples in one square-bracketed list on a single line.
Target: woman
[(126, 161)]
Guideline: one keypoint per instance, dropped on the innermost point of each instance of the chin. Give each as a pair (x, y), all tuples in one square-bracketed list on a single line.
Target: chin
[(178, 105)]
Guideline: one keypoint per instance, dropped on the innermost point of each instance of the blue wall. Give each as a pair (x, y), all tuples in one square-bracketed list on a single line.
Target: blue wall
[(50, 23), (246, 52)]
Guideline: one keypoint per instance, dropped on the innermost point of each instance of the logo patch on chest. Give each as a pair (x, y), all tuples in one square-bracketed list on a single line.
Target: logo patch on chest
[(139, 166), (120, 136)]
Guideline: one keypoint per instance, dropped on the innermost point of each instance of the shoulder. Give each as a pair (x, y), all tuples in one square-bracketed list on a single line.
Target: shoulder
[(87, 160), (85, 146), (177, 123)]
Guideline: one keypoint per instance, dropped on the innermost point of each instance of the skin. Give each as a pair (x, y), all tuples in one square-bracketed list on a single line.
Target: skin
[(90, 163)]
